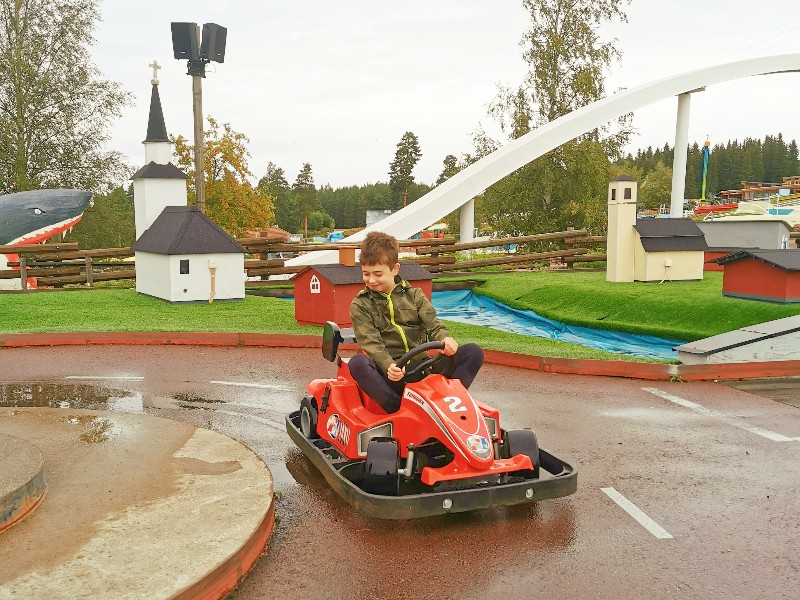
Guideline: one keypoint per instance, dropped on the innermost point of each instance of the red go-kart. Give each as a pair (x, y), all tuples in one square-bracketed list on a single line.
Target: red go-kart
[(441, 452)]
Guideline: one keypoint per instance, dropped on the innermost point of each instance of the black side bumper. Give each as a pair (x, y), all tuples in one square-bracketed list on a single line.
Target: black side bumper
[(557, 479)]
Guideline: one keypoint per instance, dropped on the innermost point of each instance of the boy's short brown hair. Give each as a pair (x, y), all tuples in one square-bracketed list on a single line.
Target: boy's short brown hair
[(379, 248)]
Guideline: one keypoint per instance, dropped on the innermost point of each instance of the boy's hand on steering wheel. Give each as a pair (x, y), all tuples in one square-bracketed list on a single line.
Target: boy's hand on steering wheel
[(395, 374), (450, 346)]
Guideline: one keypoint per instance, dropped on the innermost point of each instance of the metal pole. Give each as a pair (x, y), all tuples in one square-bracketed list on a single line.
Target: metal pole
[(467, 222), (679, 159), (199, 159), (199, 162)]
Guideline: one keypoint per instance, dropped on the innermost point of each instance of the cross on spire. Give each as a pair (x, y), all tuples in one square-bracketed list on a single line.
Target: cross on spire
[(156, 67)]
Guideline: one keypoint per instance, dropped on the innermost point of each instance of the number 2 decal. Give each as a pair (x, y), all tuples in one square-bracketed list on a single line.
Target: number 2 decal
[(454, 403)]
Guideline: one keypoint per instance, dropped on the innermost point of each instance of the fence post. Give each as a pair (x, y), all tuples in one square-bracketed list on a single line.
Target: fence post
[(89, 278), (571, 265), (23, 272)]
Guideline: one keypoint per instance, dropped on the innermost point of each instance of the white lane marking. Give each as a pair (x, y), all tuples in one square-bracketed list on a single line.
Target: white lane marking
[(770, 435), (263, 386), (112, 377), (634, 511), (231, 413)]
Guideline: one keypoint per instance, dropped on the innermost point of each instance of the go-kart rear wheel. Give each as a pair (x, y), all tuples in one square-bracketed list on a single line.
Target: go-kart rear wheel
[(308, 418), (380, 467), (523, 441)]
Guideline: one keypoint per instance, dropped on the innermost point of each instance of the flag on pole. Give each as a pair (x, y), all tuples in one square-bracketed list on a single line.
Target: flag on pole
[(706, 150)]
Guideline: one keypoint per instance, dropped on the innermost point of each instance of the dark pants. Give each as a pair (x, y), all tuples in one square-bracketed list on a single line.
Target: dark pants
[(464, 365)]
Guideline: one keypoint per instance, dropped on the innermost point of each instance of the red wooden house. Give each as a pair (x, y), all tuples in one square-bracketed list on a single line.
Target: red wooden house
[(324, 292), (770, 275)]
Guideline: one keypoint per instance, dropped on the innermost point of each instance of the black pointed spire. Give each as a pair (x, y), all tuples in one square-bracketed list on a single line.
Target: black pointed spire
[(156, 129)]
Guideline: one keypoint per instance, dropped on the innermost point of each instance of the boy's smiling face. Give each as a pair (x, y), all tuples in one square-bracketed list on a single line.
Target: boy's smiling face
[(379, 278)]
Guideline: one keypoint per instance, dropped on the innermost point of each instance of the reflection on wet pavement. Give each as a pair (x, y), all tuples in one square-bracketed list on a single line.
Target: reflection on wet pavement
[(98, 429), (780, 389)]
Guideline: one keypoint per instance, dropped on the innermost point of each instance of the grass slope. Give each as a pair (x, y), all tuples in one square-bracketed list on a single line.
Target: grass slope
[(684, 310), (678, 310)]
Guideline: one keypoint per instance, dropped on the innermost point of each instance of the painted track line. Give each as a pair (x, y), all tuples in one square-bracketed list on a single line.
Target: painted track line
[(634, 511), (698, 408), (107, 378), (263, 386)]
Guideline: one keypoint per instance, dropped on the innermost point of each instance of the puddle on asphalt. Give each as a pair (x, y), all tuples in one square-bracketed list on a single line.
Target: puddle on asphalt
[(192, 397), (89, 397), (46, 395)]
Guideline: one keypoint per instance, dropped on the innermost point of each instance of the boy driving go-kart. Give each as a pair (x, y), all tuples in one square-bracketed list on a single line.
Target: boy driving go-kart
[(389, 318), (396, 433)]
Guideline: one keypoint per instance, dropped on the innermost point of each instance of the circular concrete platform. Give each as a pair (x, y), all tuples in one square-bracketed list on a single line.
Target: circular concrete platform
[(22, 483), (137, 507)]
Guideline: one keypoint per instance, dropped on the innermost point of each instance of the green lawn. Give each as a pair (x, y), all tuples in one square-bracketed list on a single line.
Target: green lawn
[(679, 310)]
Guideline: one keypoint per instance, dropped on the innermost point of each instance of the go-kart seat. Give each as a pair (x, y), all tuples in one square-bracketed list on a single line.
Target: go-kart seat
[(332, 336)]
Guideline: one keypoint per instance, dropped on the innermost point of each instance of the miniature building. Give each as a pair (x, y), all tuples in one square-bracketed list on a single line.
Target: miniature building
[(649, 249), (324, 292), (727, 237), (770, 341), (668, 249), (621, 219), (770, 275), (185, 257), (181, 254)]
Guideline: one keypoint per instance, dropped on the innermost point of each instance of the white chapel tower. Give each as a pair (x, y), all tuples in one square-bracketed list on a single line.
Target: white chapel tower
[(158, 183)]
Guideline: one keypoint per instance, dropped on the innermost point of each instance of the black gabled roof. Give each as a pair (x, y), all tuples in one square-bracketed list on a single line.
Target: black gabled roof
[(185, 230), (156, 129), (661, 235), (154, 170), (785, 259), (343, 275)]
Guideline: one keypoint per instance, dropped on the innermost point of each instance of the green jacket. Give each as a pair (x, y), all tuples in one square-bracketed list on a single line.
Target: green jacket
[(389, 325)]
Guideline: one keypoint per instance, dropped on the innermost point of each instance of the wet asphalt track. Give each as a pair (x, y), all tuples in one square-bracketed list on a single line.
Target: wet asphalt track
[(715, 468)]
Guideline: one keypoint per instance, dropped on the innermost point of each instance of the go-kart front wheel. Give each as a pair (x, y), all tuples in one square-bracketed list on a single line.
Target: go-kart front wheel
[(523, 441), (308, 418), (380, 468)]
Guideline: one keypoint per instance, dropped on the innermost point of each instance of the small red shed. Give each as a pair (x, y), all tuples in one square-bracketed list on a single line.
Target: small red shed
[(324, 292), (770, 275)]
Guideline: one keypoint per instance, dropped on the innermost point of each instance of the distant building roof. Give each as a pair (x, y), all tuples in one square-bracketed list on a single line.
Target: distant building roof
[(186, 230), (343, 275), (662, 235), (784, 259), (154, 170), (732, 235)]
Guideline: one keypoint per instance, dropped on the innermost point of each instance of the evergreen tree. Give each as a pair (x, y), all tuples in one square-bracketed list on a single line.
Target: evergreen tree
[(274, 182), (305, 195), (450, 168), (405, 159)]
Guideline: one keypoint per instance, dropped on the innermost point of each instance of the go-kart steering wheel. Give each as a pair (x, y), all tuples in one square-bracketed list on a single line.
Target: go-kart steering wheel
[(423, 364)]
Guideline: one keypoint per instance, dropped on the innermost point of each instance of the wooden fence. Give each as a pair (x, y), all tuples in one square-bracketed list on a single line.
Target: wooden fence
[(56, 265)]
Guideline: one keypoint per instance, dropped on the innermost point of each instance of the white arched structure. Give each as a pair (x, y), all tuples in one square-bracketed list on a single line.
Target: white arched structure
[(465, 185)]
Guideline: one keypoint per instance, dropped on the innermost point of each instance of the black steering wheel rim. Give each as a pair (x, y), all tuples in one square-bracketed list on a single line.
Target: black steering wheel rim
[(423, 364)]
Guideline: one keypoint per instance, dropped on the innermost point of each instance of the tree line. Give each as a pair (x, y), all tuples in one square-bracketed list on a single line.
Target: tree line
[(730, 163), (56, 111)]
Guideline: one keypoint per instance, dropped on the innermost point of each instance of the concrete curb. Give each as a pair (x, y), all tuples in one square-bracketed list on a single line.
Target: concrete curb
[(22, 483), (572, 366), (190, 514)]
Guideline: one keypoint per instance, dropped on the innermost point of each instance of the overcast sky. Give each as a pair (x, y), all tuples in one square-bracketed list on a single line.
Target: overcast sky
[(336, 84)]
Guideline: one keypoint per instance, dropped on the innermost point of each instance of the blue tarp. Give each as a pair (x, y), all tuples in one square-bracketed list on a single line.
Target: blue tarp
[(465, 307)]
